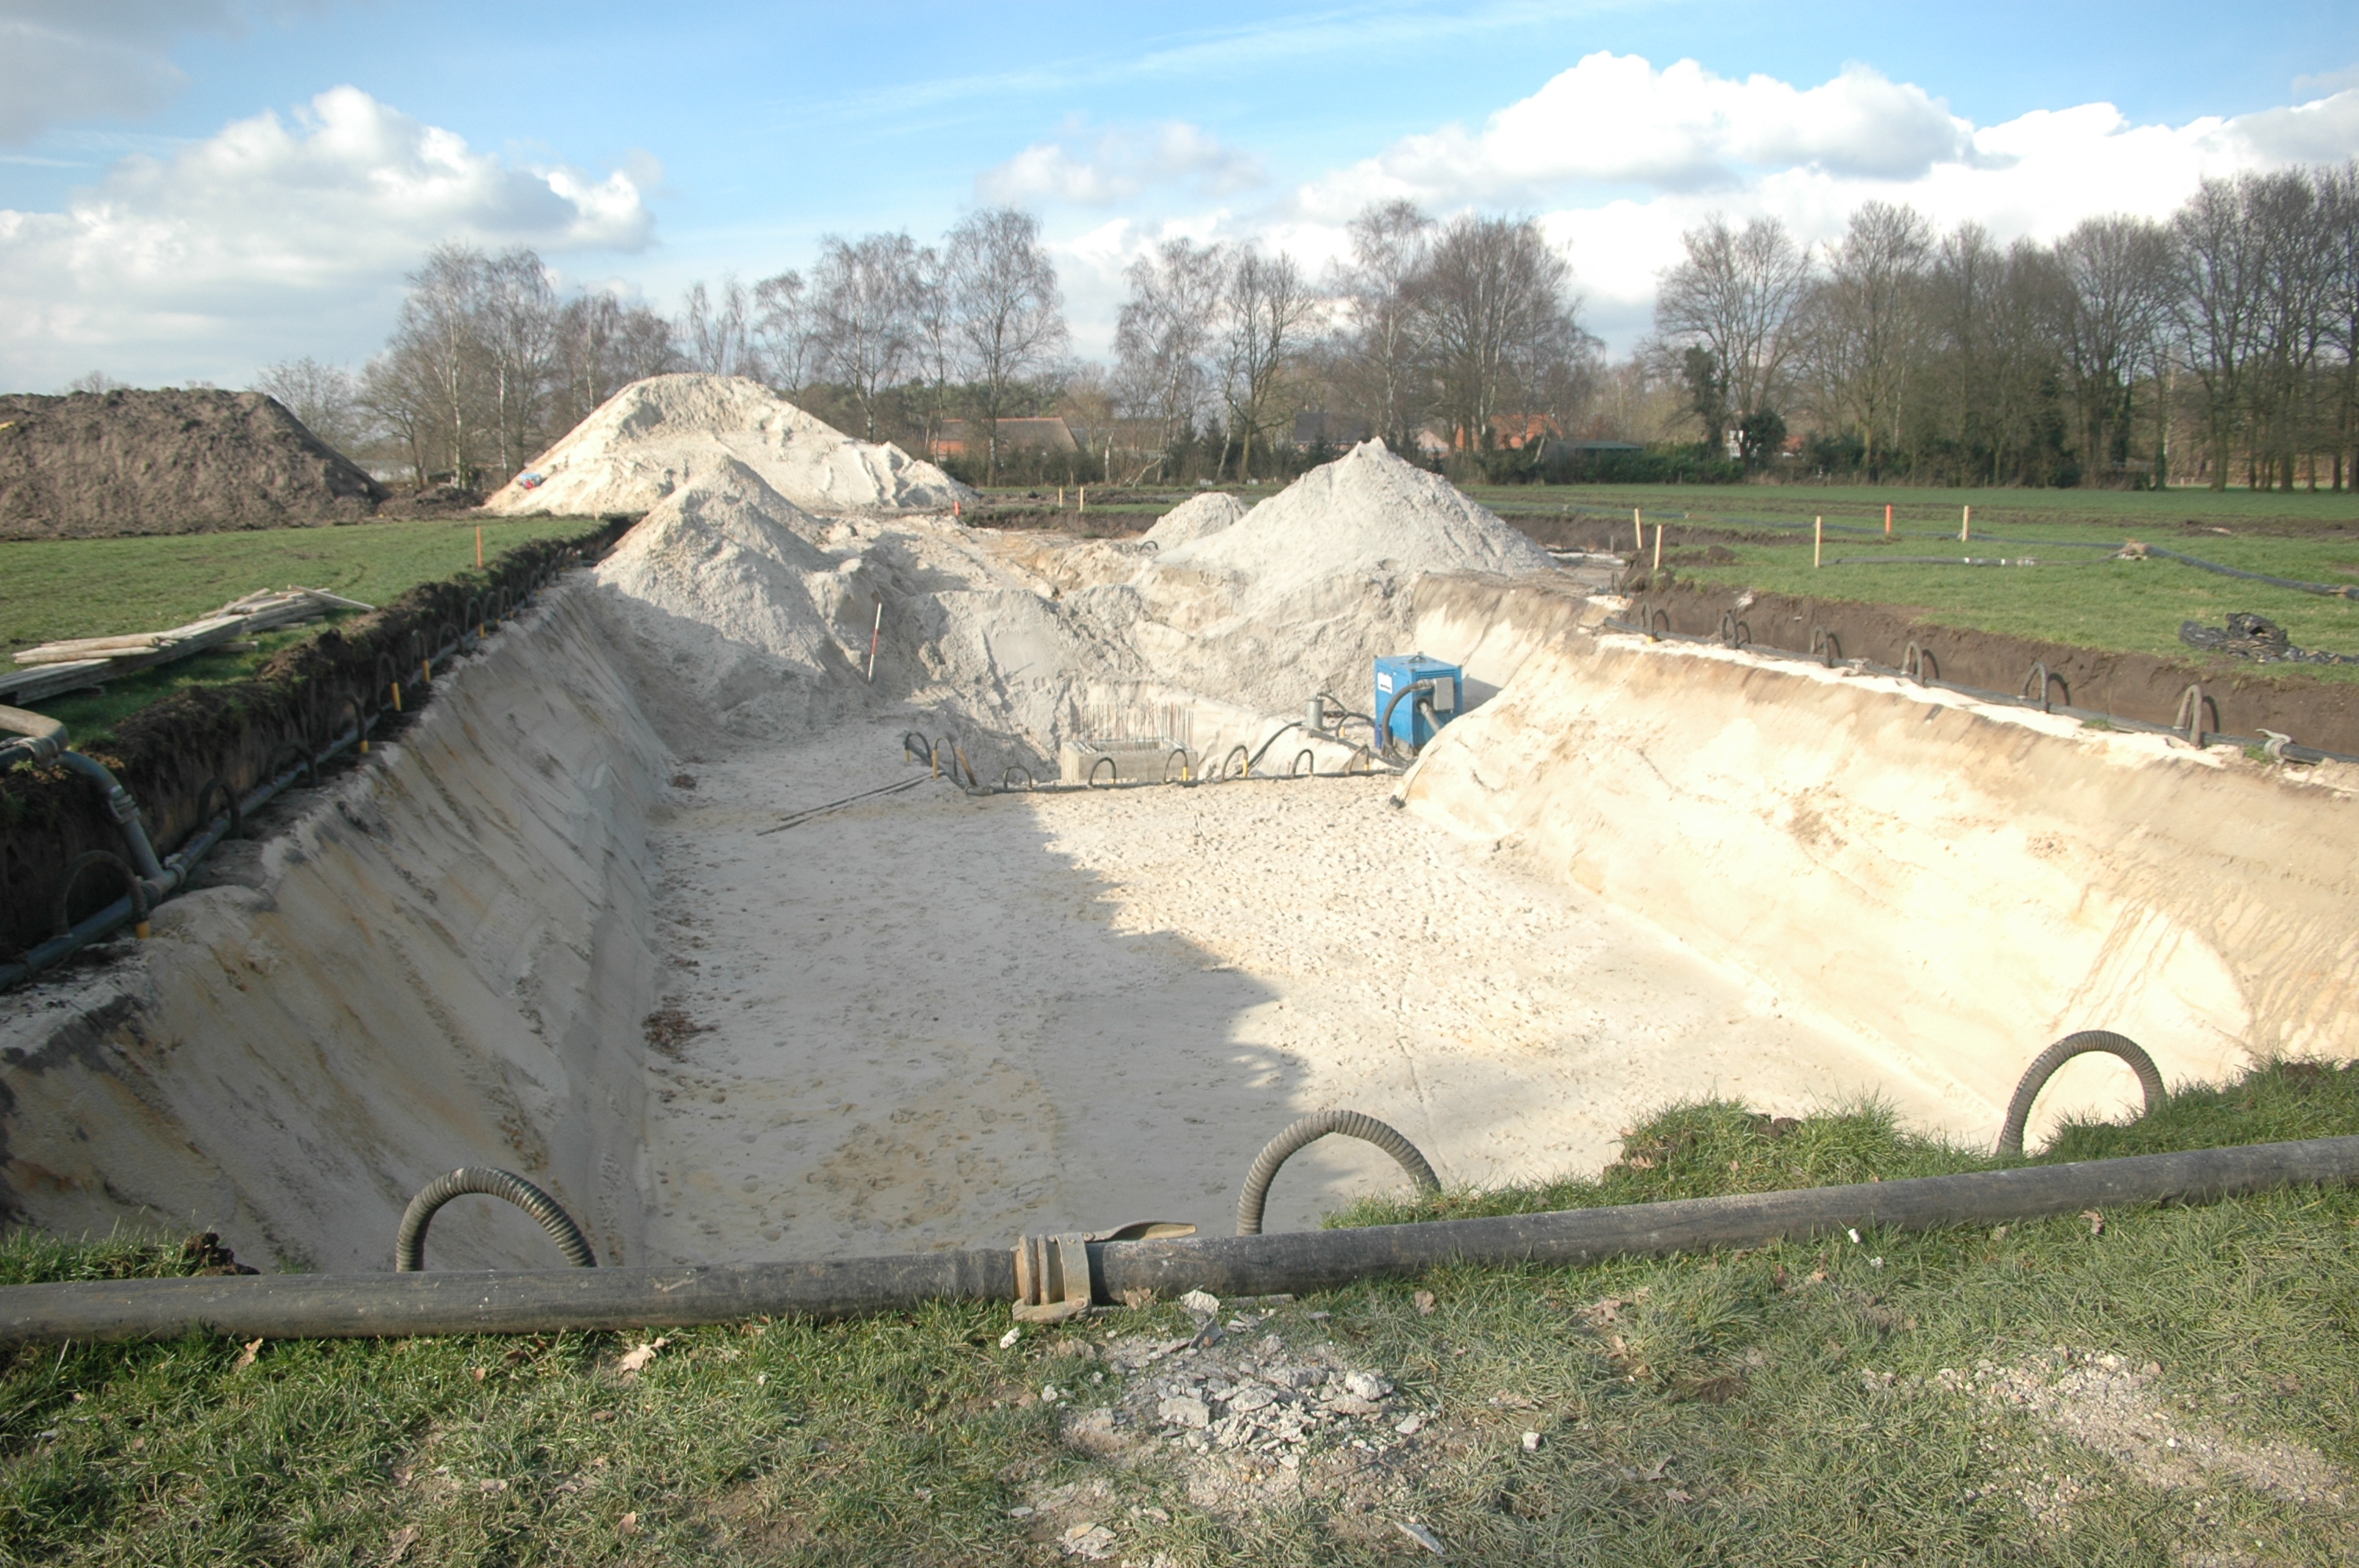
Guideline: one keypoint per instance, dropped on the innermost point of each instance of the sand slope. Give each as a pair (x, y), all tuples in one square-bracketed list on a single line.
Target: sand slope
[(658, 435)]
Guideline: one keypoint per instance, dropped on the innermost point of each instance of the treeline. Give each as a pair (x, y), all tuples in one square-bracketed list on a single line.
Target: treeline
[(2221, 345)]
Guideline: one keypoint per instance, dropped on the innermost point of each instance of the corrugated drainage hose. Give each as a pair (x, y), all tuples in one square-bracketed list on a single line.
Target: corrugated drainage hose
[(2043, 1067), (409, 1242), (1310, 1130)]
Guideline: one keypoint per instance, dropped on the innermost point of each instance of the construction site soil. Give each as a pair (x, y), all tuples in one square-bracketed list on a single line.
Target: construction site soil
[(690, 896), (94, 465)]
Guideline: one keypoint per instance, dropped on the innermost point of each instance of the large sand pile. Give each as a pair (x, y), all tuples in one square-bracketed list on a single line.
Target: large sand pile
[(1198, 517), (1368, 511), (175, 462), (658, 435)]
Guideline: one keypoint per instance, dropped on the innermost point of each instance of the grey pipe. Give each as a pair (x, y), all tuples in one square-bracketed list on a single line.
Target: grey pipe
[(291, 1307), (2043, 1067), (409, 1237), (1309, 1130)]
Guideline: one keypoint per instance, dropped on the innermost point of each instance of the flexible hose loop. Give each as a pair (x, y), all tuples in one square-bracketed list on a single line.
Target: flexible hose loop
[(1310, 1130), (113, 862), (409, 1242), (2043, 1067)]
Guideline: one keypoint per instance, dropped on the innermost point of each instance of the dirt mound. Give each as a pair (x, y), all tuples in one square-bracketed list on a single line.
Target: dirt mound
[(655, 436), (1368, 511), (96, 464), (1199, 517)]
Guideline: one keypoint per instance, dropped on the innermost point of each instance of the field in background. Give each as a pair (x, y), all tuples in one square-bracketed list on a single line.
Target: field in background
[(2167, 1384), (2075, 594), (56, 589)]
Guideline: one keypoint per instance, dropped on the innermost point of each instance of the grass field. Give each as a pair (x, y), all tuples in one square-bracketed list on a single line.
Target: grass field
[(2167, 1385), (55, 589), (2075, 594)]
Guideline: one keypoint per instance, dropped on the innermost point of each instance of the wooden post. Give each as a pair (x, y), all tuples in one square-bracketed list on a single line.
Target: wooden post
[(1966, 526), (874, 632), (1637, 528), (1083, 497), (1887, 520), (1818, 542), (1659, 547), (479, 547)]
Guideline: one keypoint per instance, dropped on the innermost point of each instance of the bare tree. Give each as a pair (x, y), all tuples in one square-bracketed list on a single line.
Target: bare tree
[(783, 332), (1493, 300), (1165, 331), (2339, 309), (862, 314), (325, 397), (1269, 311), (518, 330), (717, 326), (1864, 327), (603, 345), (439, 335), (1735, 296), (2116, 271), (96, 380), (2217, 305), (1383, 364), (1008, 315), (933, 338)]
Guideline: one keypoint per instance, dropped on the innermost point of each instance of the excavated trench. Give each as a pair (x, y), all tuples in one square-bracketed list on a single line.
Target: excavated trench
[(557, 929)]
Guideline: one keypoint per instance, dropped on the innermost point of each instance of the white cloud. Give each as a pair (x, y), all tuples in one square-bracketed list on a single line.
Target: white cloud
[(71, 59), (1616, 120), (269, 232), (1099, 168), (1618, 158)]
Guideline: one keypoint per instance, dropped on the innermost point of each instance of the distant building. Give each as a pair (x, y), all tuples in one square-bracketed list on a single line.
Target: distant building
[(1513, 432), (1044, 434), (1317, 427)]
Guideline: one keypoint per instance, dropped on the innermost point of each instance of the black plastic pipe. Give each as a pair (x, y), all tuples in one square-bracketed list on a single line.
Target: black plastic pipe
[(293, 1307)]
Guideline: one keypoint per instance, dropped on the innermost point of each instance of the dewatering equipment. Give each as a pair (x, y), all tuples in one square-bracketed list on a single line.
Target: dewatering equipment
[(1414, 697)]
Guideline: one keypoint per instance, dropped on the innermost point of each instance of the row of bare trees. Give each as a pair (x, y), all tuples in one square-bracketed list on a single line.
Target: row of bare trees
[(2223, 342), (1448, 327), (486, 363)]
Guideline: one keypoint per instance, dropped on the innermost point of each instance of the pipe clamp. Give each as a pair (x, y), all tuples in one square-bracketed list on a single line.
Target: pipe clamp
[(1052, 1273)]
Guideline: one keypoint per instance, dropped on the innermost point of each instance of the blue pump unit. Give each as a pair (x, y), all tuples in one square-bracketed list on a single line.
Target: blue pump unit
[(1415, 722)]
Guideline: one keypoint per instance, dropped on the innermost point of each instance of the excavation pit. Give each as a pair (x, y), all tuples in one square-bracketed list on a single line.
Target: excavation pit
[(581, 923)]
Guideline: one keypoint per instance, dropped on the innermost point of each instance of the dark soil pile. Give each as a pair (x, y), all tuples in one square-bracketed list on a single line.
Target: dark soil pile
[(92, 465)]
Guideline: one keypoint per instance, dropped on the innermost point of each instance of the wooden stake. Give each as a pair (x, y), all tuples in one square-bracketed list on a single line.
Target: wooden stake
[(479, 547), (874, 632), (1659, 547), (1887, 520), (1818, 542), (1966, 526), (1637, 528), (1084, 497)]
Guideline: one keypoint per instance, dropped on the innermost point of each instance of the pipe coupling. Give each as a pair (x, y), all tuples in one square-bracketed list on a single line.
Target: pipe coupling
[(1052, 1273)]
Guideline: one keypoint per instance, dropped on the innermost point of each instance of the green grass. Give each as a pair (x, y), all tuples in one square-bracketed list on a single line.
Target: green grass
[(2073, 596), (1785, 1404), (56, 589)]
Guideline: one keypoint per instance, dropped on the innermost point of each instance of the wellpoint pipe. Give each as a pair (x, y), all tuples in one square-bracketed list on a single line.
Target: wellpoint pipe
[(1309, 1130), (299, 1307), (35, 738), (2043, 1067), (409, 1240), (1423, 688)]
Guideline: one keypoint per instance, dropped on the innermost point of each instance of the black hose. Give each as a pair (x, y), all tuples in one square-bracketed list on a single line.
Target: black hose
[(1295, 770), (2330, 590), (1108, 763), (1310, 1130), (300, 1306), (138, 890), (1255, 761), (2043, 1067), (409, 1241)]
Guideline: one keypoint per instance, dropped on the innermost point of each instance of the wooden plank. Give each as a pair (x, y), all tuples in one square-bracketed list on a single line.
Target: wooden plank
[(39, 682)]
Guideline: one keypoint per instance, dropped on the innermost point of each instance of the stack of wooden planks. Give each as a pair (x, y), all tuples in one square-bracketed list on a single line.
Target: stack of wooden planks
[(55, 669)]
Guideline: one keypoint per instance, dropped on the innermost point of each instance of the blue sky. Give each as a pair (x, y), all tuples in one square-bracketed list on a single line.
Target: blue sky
[(189, 189)]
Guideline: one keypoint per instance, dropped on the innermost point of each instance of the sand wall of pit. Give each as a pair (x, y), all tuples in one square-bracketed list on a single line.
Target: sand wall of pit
[(1965, 883), (442, 960)]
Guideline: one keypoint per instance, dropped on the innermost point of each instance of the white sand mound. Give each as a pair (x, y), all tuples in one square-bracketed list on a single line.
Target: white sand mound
[(658, 435), (1198, 517), (1366, 512), (722, 575)]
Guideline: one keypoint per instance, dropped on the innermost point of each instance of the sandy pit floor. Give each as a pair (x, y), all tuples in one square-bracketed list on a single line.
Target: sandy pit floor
[(932, 1020)]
